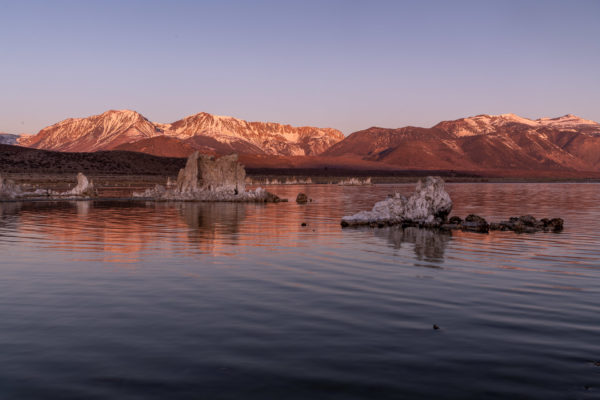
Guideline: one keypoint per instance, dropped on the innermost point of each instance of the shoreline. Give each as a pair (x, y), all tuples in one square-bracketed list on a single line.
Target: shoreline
[(135, 182), (120, 188)]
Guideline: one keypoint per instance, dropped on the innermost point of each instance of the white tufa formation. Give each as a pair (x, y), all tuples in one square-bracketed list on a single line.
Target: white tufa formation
[(83, 188), (205, 178), (8, 189), (429, 205), (354, 182)]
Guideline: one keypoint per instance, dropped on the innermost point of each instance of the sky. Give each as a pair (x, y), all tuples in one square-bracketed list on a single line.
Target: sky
[(342, 64)]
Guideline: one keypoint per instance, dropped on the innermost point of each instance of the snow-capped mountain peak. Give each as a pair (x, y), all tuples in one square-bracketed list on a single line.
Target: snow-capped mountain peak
[(117, 127), (486, 124), (98, 132)]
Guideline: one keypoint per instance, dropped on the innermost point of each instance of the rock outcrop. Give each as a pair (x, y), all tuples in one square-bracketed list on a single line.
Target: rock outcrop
[(429, 205), (205, 178)]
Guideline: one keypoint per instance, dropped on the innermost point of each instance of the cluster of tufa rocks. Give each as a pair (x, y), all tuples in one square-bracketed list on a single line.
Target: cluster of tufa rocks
[(206, 178), (429, 207), (9, 190)]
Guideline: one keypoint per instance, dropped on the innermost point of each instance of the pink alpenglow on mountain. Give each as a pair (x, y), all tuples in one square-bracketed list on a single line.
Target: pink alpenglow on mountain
[(204, 131), (484, 142)]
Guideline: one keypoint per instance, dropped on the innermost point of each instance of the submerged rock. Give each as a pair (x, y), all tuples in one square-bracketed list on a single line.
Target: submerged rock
[(429, 205), (301, 198), (475, 223), (205, 178)]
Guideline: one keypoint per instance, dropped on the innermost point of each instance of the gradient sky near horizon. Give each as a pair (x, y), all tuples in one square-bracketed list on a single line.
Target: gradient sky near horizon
[(343, 64)]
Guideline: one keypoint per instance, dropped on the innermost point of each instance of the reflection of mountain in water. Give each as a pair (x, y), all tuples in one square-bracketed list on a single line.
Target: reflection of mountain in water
[(429, 245), (121, 231)]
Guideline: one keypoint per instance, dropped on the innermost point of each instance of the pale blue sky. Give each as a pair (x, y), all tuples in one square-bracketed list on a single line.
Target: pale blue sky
[(342, 64)]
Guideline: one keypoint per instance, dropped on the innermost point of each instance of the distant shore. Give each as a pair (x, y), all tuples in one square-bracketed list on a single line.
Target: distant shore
[(122, 170)]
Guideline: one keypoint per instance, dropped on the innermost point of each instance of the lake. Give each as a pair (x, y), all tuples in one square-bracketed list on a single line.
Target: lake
[(134, 300)]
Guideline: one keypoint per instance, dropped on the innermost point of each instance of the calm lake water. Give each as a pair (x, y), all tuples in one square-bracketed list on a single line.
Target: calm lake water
[(104, 300)]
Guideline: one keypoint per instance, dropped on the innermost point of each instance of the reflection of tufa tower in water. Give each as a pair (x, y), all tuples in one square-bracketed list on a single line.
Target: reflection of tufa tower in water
[(204, 172)]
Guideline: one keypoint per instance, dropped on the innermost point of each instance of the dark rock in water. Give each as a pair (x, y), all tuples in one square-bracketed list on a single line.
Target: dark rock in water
[(528, 224), (435, 327), (272, 198), (555, 225), (475, 223), (455, 220), (496, 226), (301, 198), (528, 220)]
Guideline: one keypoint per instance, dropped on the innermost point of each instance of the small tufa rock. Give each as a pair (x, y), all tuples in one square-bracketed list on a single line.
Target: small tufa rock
[(84, 187), (554, 225), (9, 189), (455, 220), (301, 198), (475, 223)]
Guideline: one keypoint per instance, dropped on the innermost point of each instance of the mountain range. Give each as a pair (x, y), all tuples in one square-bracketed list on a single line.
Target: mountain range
[(203, 131), (505, 142), (483, 142)]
